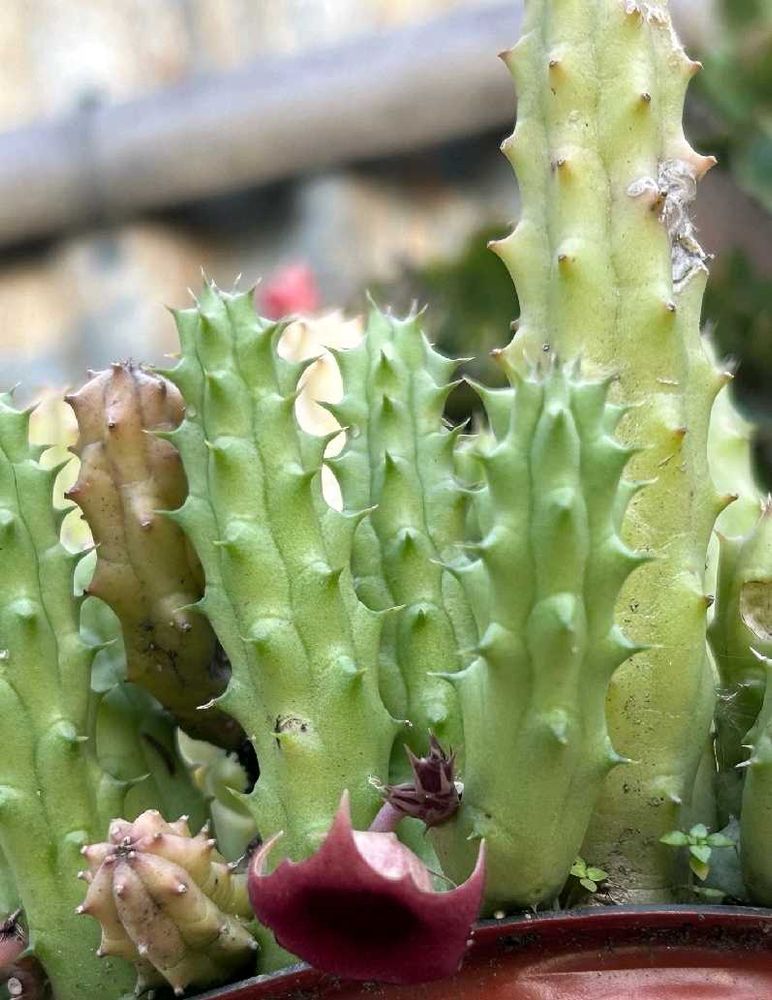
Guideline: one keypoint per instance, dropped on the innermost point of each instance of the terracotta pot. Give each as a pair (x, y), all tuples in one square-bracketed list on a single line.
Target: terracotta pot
[(614, 953)]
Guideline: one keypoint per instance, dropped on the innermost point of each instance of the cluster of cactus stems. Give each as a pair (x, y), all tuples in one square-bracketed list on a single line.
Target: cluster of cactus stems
[(54, 794), (607, 267), (532, 594)]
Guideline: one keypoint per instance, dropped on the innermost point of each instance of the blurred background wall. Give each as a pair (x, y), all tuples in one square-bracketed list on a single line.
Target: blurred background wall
[(141, 140)]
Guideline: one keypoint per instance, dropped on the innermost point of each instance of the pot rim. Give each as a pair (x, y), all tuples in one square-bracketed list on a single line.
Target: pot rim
[(555, 926)]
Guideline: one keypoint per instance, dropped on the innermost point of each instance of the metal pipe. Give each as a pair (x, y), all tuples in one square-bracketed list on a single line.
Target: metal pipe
[(278, 117)]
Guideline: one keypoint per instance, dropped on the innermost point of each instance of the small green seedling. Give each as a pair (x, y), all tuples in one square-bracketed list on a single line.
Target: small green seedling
[(589, 877), (700, 844)]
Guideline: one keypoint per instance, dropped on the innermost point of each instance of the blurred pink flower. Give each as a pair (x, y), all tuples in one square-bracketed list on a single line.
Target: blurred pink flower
[(363, 907), (292, 290)]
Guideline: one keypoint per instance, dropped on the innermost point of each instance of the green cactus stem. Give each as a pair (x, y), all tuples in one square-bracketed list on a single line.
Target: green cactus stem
[(146, 571), (399, 459), (533, 701), (740, 630), (219, 775), (135, 737), (608, 268), (740, 565), (9, 897), (54, 796), (169, 903), (756, 821), (730, 456), (279, 591)]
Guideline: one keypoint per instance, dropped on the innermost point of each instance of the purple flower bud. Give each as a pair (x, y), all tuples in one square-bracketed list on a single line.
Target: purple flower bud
[(432, 795), (363, 907)]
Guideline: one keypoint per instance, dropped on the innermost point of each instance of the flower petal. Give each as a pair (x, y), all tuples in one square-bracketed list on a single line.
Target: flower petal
[(349, 912)]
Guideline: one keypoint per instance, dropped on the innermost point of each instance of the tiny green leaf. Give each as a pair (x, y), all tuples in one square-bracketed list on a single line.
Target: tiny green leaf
[(706, 892), (676, 838), (700, 869), (588, 884), (699, 831), (579, 868), (597, 874), (719, 840), (701, 852)]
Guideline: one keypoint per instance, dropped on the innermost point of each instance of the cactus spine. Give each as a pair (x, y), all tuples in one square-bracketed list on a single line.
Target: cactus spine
[(279, 590), (537, 746), (146, 570), (756, 822), (54, 796), (607, 267), (399, 459)]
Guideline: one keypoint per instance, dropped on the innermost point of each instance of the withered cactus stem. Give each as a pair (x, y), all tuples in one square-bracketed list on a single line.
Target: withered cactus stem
[(146, 569)]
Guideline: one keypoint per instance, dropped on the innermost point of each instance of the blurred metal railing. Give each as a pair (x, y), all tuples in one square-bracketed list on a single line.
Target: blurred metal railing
[(279, 117)]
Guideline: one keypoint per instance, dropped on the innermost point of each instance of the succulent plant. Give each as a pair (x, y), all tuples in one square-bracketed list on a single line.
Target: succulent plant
[(134, 738), (607, 267), (9, 897), (547, 576), (756, 821), (222, 780), (279, 590), (54, 795), (524, 603), (146, 571), (398, 459), (168, 902), (741, 630)]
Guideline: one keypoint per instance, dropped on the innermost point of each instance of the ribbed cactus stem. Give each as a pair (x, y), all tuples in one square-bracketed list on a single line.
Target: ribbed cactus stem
[(740, 570), (279, 590), (399, 459), (146, 570), (9, 896), (740, 630), (53, 794), (608, 268), (730, 456), (168, 902), (533, 701), (756, 821), (136, 739)]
